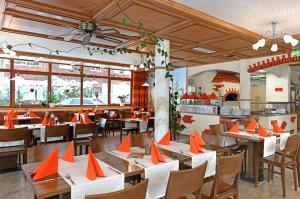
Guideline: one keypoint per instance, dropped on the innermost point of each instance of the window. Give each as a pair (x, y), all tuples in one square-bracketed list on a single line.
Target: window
[(95, 91), (4, 63), (120, 73), (95, 71), (119, 88), (67, 69), (65, 90), (31, 89), (31, 66), (4, 89)]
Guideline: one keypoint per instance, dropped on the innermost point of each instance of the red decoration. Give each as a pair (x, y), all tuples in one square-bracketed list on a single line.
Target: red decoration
[(293, 119), (278, 89), (188, 119), (224, 77)]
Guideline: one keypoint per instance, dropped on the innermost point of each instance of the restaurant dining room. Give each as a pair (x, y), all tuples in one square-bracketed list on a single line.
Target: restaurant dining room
[(149, 99)]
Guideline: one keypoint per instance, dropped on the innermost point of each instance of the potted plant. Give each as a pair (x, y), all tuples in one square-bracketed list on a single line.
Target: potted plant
[(52, 100), (123, 99)]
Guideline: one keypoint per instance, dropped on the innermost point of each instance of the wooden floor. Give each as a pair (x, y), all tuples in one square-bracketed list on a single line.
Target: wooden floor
[(13, 185)]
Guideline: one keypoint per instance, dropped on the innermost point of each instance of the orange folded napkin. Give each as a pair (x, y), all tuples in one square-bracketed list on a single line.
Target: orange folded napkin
[(155, 154), (50, 122), (32, 114), (74, 120), (194, 148), (99, 111), (198, 139), (9, 123), (48, 167), (262, 132), (276, 127), (12, 114), (87, 119), (69, 154), (125, 145), (251, 126), (235, 128), (80, 111), (133, 117), (93, 167), (45, 120), (87, 112), (166, 139)]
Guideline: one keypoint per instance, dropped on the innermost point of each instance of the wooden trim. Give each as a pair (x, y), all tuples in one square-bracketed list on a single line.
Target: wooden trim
[(49, 82), (81, 85), (39, 18), (49, 9), (109, 88), (12, 84)]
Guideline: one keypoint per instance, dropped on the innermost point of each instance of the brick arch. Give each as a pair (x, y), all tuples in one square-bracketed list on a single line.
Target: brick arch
[(232, 91)]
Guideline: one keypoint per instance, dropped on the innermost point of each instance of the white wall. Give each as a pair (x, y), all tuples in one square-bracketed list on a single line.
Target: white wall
[(278, 77)]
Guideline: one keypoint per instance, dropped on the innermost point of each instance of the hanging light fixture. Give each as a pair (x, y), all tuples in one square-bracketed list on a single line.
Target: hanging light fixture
[(274, 37), (146, 84), (143, 65), (7, 49), (17, 77)]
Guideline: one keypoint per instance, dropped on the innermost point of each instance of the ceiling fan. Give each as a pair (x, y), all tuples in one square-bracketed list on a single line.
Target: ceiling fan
[(87, 30)]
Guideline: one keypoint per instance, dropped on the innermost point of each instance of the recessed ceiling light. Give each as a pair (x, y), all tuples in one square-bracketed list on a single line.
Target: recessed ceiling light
[(204, 50)]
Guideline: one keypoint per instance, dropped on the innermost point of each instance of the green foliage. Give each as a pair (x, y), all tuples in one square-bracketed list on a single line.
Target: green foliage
[(53, 99)]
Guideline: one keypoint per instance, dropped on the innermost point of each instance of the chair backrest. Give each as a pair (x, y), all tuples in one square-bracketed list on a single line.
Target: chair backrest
[(140, 139), (229, 125), (85, 129), (292, 147), (150, 126), (228, 170), (16, 134), (217, 130), (112, 114), (186, 182), (42, 151), (100, 144), (135, 192), (56, 131)]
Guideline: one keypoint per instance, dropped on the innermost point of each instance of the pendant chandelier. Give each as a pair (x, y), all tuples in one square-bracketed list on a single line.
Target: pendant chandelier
[(273, 37), (143, 65)]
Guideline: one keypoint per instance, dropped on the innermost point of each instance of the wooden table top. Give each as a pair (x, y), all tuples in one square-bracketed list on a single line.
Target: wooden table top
[(59, 186), (171, 154), (243, 137)]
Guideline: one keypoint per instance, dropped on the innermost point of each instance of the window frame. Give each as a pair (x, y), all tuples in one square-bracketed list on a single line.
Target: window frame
[(49, 73)]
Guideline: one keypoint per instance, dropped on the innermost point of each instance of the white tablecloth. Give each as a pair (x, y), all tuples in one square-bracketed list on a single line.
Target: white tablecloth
[(158, 175), (197, 159), (83, 186), (283, 139)]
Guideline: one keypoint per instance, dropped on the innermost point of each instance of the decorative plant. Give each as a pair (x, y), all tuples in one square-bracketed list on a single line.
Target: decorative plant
[(53, 99), (123, 98)]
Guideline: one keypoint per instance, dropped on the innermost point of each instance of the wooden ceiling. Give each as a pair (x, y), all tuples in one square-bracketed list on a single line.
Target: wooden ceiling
[(185, 27)]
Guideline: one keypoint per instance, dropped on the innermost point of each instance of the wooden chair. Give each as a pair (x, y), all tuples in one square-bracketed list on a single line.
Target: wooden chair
[(100, 144), (83, 133), (127, 130), (140, 140), (184, 182), (226, 180), (41, 152), (56, 131), (216, 131), (135, 192), (102, 127), (150, 127), (12, 135), (111, 121), (286, 159)]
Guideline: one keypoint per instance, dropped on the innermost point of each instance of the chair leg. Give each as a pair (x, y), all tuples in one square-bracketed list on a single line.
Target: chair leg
[(256, 171), (283, 181), (298, 172), (269, 173), (272, 173), (295, 176)]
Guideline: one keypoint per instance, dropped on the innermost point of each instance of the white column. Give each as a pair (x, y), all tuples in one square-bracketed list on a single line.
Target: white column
[(161, 103), (245, 84)]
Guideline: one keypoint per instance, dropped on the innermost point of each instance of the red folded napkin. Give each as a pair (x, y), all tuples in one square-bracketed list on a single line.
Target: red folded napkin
[(125, 145), (133, 117), (12, 114), (80, 111), (235, 128), (74, 120), (9, 123), (93, 167), (45, 120), (69, 154), (198, 139), (276, 127), (87, 112), (51, 122), (48, 167), (166, 139), (194, 148), (87, 119), (99, 111), (251, 126), (32, 114), (155, 154), (262, 132)]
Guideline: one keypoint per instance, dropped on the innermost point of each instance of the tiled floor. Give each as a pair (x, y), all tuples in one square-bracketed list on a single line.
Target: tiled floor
[(13, 185)]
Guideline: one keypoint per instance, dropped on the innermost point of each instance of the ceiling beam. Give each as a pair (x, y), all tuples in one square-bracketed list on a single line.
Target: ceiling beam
[(50, 9), (38, 18), (2, 9)]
